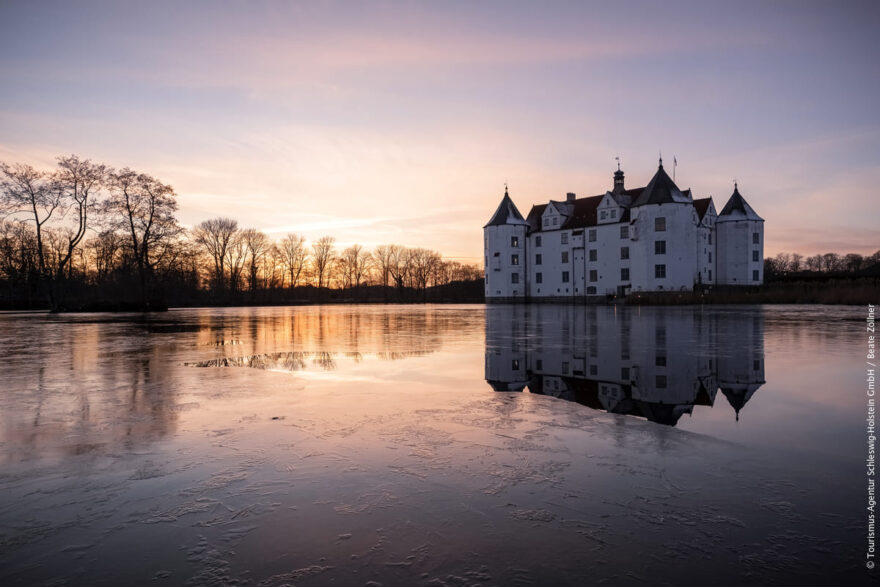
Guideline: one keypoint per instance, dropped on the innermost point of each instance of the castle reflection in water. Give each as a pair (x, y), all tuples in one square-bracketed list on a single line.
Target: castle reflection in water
[(655, 363)]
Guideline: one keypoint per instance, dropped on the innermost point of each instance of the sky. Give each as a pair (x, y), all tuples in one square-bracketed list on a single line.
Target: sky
[(400, 122)]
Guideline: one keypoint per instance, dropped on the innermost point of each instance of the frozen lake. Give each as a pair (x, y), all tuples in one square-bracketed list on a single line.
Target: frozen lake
[(437, 445)]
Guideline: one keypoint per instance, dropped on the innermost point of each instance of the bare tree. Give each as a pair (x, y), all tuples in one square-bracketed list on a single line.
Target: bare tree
[(383, 257), (25, 190), (76, 181), (18, 251), (294, 255), (422, 263), (273, 267), (105, 249), (355, 262), (236, 255), (256, 245), (144, 208), (398, 265), (854, 262), (323, 255), (215, 236)]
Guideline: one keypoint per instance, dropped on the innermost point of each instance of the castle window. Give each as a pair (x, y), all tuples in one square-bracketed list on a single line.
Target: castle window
[(565, 367), (594, 370), (539, 278), (624, 231), (624, 274), (660, 360), (755, 256), (514, 241), (538, 259), (710, 256), (594, 275), (565, 256), (710, 238), (565, 277), (563, 238), (515, 364), (593, 235), (593, 254), (514, 259), (624, 252), (756, 365), (756, 238), (624, 373), (710, 275), (659, 271), (591, 290), (755, 275), (661, 381), (538, 241), (659, 247), (539, 365), (660, 224), (514, 278)]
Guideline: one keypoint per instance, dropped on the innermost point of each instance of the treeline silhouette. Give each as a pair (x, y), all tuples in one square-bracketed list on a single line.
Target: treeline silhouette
[(86, 236), (794, 266)]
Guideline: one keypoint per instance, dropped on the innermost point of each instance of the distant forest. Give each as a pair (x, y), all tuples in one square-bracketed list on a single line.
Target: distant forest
[(86, 236)]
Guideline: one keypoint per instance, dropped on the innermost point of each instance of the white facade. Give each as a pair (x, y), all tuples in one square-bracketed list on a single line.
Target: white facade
[(655, 238)]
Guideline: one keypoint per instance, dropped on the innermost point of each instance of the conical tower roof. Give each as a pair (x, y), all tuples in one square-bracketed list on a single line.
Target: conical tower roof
[(661, 190), (506, 213), (737, 208)]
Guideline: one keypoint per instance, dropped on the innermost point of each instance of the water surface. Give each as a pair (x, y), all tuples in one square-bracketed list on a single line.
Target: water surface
[(455, 445)]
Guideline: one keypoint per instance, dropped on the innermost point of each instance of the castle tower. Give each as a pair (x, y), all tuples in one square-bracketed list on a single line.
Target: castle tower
[(663, 230), (740, 237), (505, 253)]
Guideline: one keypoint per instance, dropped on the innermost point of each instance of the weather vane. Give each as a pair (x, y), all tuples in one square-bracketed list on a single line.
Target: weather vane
[(618, 163)]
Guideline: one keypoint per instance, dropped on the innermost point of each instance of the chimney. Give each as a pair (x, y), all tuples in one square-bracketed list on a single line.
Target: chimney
[(570, 196)]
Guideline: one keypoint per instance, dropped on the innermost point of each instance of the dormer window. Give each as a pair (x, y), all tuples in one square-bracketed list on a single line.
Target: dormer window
[(614, 213), (546, 222), (603, 215), (555, 221)]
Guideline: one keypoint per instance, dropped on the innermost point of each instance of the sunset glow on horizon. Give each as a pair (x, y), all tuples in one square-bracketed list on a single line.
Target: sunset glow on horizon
[(387, 122)]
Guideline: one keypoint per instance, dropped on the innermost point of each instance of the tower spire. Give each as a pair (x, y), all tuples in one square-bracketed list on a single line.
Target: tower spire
[(618, 178)]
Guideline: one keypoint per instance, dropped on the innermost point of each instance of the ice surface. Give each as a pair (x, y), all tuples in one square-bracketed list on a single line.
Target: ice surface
[(367, 449)]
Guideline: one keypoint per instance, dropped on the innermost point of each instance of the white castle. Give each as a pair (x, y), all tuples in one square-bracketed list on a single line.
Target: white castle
[(655, 238)]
